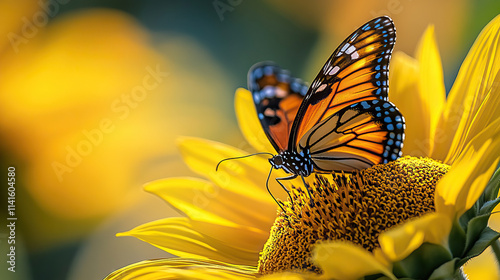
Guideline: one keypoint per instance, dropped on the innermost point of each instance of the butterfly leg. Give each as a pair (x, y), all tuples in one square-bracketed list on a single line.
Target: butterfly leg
[(283, 186), (269, 191)]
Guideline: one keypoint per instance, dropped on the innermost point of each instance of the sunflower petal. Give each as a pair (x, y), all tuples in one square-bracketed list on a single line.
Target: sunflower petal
[(430, 83), (400, 241), (245, 176), (484, 266), (404, 92), (176, 268), (249, 122), (484, 115), (466, 100), (187, 239), (204, 201), (463, 185), (342, 260)]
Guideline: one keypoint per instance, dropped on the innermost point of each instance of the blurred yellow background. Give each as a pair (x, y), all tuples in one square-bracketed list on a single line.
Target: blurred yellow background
[(94, 93)]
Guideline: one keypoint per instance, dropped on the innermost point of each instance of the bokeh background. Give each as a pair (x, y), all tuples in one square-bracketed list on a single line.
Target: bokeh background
[(93, 95)]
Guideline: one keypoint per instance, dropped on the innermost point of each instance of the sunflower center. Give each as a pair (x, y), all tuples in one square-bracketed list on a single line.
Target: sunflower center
[(355, 207)]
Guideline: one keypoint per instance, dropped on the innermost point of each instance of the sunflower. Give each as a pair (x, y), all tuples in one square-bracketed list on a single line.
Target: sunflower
[(424, 215)]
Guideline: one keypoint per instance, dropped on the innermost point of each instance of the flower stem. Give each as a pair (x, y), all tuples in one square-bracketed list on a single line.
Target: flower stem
[(496, 250)]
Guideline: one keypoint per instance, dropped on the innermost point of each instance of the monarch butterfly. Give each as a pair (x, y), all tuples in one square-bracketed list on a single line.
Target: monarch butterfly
[(343, 121)]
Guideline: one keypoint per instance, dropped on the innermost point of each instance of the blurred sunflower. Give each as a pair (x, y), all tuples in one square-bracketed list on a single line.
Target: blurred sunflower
[(412, 218), (81, 92)]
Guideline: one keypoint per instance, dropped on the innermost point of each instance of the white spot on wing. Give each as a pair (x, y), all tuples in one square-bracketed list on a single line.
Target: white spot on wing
[(280, 93), (321, 88), (350, 49), (344, 47), (326, 70), (269, 112), (355, 55), (334, 70)]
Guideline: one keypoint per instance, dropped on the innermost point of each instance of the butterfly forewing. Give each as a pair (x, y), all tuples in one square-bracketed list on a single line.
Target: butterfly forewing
[(356, 137), (277, 97), (343, 121), (357, 71)]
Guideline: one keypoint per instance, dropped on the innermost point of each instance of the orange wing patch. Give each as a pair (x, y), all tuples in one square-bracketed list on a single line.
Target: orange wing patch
[(287, 111), (277, 97), (357, 71)]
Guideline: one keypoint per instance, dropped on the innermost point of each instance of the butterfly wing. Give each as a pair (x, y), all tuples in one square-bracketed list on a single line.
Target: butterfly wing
[(357, 71), (356, 137), (277, 97)]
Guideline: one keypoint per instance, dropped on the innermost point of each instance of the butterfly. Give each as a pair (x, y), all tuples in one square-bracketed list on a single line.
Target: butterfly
[(343, 121)]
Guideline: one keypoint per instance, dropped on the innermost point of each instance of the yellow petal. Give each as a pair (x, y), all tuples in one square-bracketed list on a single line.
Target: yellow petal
[(203, 201), (494, 221), (484, 266), (176, 268), (249, 122), (465, 182), (401, 241), (180, 237), (405, 94), (246, 176), (486, 113), (474, 82), (430, 83), (342, 260)]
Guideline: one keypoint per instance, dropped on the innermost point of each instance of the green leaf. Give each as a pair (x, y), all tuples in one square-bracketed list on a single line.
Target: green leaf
[(469, 215), (487, 198), (489, 206), (488, 236), (422, 262), (474, 230), (377, 277), (445, 271), (457, 239), (491, 190)]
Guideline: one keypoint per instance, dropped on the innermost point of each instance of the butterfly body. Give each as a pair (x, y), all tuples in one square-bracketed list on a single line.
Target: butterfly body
[(343, 121), (293, 162)]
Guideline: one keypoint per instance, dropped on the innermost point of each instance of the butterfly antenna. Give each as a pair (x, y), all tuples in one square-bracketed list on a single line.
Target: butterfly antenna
[(263, 153), (269, 191), (311, 200)]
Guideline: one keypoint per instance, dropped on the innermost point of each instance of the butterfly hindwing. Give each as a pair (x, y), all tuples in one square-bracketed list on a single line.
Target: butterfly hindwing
[(356, 137), (357, 71), (277, 97)]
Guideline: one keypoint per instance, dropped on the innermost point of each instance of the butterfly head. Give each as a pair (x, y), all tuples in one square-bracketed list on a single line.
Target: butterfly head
[(276, 161)]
